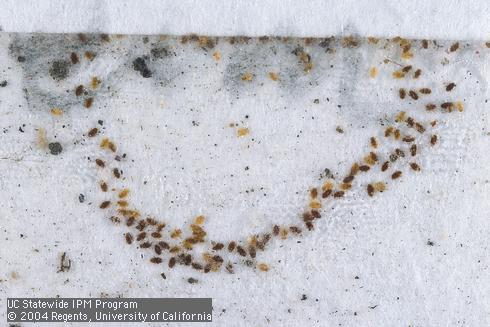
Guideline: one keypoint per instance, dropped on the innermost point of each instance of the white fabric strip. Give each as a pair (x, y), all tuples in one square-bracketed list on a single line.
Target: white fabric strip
[(450, 19)]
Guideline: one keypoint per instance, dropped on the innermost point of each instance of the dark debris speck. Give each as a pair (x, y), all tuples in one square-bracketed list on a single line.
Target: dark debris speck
[(139, 64)]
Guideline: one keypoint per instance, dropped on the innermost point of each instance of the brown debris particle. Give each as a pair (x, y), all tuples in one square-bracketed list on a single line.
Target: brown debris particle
[(338, 194), (89, 55), (263, 267)]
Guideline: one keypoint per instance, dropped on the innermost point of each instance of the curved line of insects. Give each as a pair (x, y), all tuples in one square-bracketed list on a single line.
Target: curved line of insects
[(149, 231)]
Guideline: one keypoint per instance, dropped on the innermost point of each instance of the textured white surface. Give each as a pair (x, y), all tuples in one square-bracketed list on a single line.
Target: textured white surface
[(435, 19), (175, 130)]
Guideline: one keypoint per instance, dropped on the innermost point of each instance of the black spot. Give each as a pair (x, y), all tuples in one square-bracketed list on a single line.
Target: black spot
[(59, 69), (81, 198), (21, 59), (3, 84), (55, 148), (192, 280), (139, 64), (159, 52)]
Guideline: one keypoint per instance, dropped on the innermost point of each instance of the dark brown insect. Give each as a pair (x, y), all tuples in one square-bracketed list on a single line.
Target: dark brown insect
[(88, 102), (130, 221), (103, 186), (241, 251), (196, 266), (414, 166), (393, 157), (156, 235), (105, 204), (425, 90), (232, 245), (450, 87), (164, 245), (402, 93), (116, 173), (171, 262), (425, 44), (158, 249), (141, 236), (79, 90), (373, 142), (145, 245), (413, 150), (400, 153), (408, 139), (94, 131), (348, 179), (430, 106), (406, 69), (89, 55), (218, 246), (151, 221), (413, 94), (252, 251), (229, 268), (454, 47), (74, 58), (419, 127), (295, 229), (410, 121), (156, 260), (370, 190), (396, 174), (388, 131), (326, 193), (141, 225), (275, 230), (129, 238), (385, 166), (338, 194), (316, 214), (354, 169), (433, 139), (364, 168), (100, 163), (313, 193), (417, 73), (309, 225), (207, 268), (447, 106)]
